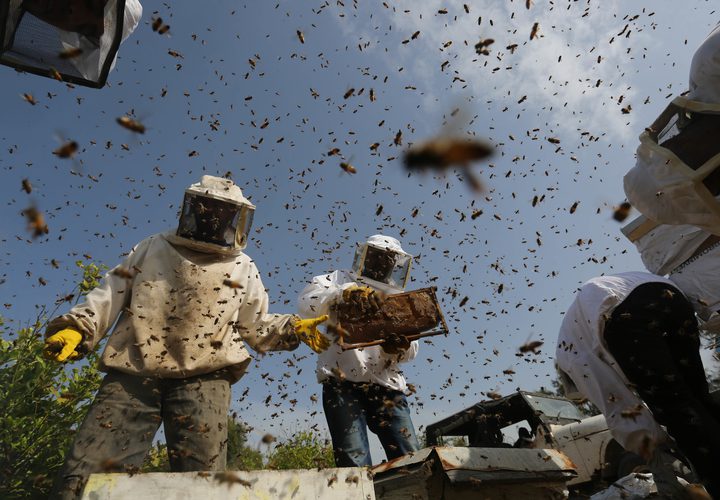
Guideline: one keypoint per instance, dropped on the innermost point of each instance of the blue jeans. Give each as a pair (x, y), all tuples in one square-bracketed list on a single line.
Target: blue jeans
[(351, 408)]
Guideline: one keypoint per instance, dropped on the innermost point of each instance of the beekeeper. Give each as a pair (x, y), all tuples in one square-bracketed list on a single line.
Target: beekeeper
[(74, 40), (186, 304), (676, 178), (675, 184), (629, 343), (364, 388)]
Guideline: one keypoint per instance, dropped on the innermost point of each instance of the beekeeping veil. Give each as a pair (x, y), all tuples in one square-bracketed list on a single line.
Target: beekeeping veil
[(72, 40), (676, 178), (215, 217), (382, 263)]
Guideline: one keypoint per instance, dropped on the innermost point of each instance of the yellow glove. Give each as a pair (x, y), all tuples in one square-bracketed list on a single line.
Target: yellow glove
[(307, 331), (61, 346)]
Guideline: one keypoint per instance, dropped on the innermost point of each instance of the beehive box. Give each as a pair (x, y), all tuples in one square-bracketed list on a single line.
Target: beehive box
[(409, 313)]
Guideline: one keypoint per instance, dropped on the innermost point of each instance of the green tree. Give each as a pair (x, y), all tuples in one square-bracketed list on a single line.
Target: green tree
[(239, 455), (157, 459), (42, 403), (304, 450)]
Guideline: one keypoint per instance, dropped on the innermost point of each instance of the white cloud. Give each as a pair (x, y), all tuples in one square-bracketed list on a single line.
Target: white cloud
[(557, 72)]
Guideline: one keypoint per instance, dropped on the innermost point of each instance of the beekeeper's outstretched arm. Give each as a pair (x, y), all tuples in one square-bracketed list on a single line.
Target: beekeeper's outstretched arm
[(91, 319), (264, 331)]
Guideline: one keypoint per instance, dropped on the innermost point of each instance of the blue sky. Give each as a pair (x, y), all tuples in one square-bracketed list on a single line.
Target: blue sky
[(569, 84)]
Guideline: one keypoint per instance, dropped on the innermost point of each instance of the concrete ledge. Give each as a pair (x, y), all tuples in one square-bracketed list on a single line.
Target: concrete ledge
[(349, 483)]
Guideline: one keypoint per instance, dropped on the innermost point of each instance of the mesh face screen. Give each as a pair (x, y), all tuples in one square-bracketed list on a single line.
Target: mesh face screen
[(214, 221)]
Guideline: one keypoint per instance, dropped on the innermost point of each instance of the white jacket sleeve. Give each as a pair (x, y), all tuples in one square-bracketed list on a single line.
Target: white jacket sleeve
[(322, 292), (259, 329), (103, 305)]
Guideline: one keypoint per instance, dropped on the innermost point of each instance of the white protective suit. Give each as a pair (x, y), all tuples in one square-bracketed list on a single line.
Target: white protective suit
[(668, 250), (583, 355), (91, 61), (177, 316), (369, 364), (660, 185)]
